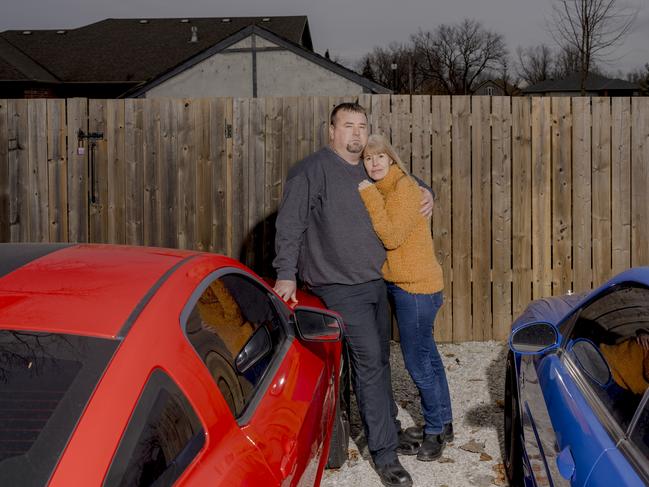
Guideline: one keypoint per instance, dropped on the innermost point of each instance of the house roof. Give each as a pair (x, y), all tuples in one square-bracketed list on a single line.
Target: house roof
[(502, 84), (594, 82), (146, 48), (339, 69), (16, 66)]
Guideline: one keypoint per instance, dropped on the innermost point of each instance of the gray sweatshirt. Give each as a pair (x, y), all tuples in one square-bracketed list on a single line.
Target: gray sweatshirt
[(323, 228)]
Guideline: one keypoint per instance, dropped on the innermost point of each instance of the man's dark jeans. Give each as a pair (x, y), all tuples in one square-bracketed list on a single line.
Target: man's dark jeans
[(416, 317), (364, 309)]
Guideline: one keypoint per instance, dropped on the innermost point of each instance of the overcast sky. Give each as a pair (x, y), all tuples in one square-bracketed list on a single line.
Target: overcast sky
[(347, 28)]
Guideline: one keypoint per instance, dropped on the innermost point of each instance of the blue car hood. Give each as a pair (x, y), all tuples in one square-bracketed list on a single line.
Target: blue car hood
[(550, 310)]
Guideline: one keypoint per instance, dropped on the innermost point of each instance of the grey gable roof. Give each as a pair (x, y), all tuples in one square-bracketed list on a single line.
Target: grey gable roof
[(594, 82), (369, 86), (129, 50)]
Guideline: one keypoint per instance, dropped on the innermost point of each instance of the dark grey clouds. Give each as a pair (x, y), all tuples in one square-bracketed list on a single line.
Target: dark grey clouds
[(347, 28)]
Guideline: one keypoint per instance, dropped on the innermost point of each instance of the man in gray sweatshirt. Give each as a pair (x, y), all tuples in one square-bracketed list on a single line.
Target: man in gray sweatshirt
[(324, 235)]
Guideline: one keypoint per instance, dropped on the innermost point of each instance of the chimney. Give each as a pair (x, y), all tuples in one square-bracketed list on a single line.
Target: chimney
[(194, 34)]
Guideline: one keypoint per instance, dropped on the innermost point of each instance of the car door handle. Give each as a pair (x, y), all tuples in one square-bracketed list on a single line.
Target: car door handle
[(566, 463)]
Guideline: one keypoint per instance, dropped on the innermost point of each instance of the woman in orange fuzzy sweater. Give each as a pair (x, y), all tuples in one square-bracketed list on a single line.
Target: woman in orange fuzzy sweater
[(415, 283)]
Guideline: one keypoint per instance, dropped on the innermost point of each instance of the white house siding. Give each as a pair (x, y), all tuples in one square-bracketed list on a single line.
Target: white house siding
[(284, 73), (279, 73), (224, 74)]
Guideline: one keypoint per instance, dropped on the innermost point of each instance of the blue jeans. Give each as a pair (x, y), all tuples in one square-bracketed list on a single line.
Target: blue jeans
[(416, 317)]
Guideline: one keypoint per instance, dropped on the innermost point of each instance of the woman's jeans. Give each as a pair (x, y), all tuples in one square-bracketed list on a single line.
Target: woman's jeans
[(416, 316)]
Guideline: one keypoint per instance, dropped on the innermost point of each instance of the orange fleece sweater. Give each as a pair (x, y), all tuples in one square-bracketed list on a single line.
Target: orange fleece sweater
[(393, 204)]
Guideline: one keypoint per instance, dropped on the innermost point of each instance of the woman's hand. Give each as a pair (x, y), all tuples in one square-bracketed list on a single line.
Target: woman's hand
[(364, 184)]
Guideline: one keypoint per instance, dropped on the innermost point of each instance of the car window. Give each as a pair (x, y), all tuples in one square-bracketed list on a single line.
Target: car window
[(640, 434), (162, 437), (609, 344), (46, 380), (228, 312)]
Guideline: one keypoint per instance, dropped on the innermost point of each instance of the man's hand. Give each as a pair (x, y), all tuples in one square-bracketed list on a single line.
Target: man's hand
[(427, 203), (286, 289)]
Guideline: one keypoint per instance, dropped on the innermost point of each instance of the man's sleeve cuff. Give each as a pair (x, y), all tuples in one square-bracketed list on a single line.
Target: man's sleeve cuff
[(285, 276)]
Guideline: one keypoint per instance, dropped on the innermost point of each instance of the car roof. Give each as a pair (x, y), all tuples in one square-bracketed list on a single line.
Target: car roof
[(82, 289)]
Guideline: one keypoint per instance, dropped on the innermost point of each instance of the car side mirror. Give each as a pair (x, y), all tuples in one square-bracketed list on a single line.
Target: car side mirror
[(316, 325), (534, 338), (256, 348)]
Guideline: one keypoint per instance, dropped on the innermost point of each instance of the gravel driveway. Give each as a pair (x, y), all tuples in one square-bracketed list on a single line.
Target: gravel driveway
[(476, 374)]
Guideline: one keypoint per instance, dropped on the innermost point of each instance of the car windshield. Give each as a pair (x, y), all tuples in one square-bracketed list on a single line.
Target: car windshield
[(46, 380)]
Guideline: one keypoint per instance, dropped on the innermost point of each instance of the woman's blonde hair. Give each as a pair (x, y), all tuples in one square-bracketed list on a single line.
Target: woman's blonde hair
[(378, 144)]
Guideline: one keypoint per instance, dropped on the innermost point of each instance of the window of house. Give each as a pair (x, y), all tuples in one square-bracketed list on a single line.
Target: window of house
[(609, 345), (163, 436), (490, 90), (228, 312)]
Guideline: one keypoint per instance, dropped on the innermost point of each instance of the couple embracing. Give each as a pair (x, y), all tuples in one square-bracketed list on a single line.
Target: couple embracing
[(352, 220)]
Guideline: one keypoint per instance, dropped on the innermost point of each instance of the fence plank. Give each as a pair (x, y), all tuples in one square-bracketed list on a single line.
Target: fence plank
[(134, 162), (116, 171), (442, 224), (601, 189), (98, 179), (305, 134), (501, 216), (220, 109), (581, 202), (421, 138), (186, 174), (256, 179), (78, 154), (18, 143), (541, 198), (5, 234), (57, 171), (273, 171), (621, 183), (521, 204), (380, 115), (640, 182), (201, 121), (562, 192), (461, 201), (321, 111), (37, 179), (153, 163), (481, 217), (240, 167), (400, 128), (167, 176)]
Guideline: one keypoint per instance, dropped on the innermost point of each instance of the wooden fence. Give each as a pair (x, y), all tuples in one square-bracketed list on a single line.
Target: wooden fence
[(534, 196)]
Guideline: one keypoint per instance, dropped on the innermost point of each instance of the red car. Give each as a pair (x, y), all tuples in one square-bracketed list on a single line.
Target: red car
[(142, 366)]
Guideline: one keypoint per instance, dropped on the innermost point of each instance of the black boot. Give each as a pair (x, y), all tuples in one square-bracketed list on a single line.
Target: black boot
[(431, 448), (448, 433), (417, 432), (407, 444), (393, 474)]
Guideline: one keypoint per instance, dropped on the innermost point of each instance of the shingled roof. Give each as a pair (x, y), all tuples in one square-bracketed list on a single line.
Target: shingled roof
[(594, 82), (16, 66), (147, 47)]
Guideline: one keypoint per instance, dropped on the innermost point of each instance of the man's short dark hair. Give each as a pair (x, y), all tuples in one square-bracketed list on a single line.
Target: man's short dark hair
[(346, 107)]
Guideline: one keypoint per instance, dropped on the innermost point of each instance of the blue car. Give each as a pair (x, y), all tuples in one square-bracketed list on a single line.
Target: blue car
[(576, 400)]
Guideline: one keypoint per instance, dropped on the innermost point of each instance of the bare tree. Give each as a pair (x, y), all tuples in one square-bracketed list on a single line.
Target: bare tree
[(456, 56), (590, 29), (535, 64), (378, 65), (641, 77)]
